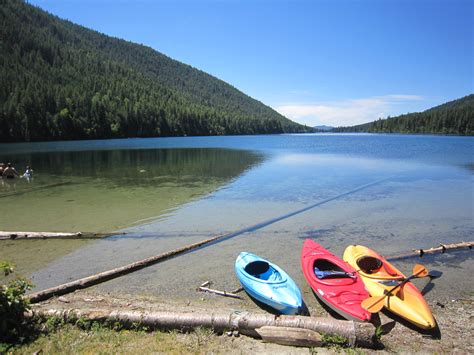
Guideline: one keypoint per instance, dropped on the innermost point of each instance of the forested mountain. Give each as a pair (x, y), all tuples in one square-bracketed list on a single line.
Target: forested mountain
[(454, 117), (323, 128), (63, 81)]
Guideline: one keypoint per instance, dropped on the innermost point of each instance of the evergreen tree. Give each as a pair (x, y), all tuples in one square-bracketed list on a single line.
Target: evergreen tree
[(63, 81)]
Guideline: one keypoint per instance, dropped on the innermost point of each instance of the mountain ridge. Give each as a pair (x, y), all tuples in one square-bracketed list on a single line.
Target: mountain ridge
[(324, 128), (64, 81), (452, 117)]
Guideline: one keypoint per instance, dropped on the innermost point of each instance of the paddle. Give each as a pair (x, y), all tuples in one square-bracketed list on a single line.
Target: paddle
[(375, 304), (434, 274)]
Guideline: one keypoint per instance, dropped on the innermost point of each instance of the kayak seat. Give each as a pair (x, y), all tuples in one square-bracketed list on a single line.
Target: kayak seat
[(256, 268), (390, 270), (331, 274), (263, 271), (369, 264), (324, 269)]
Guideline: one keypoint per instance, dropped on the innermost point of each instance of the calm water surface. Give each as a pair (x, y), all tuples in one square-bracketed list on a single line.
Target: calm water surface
[(169, 192)]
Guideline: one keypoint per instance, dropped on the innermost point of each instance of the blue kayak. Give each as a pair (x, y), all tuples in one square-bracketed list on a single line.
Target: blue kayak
[(268, 283)]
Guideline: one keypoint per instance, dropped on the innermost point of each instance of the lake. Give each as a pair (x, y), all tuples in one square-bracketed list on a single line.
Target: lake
[(165, 193)]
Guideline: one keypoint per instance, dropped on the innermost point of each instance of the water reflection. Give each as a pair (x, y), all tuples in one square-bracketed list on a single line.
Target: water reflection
[(141, 166), (103, 190)]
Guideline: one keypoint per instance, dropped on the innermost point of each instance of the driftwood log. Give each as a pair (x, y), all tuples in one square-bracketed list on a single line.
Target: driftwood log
[(290, 336), (361, 334), (435, 250), (217, 292), (113, 273), (53, 235)]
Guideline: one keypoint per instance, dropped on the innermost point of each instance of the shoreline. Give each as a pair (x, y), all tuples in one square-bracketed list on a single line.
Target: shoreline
[(60, 141), (454, 317)]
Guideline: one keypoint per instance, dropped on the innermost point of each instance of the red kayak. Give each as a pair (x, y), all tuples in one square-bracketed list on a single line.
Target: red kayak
[(334, 281)]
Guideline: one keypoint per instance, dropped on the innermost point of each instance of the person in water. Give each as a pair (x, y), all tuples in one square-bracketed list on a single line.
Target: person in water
[(10, 172), (3, 166), (28, 173)]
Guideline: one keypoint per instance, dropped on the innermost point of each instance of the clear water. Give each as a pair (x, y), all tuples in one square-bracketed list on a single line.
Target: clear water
[(422, 196), (106, 190)]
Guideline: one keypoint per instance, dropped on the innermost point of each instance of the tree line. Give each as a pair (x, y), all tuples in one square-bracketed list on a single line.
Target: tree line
[(62, 81), (454, 117)]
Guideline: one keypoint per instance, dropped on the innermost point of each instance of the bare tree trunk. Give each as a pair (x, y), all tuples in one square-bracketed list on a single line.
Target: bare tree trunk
[(435, 250), (290, 336), (54, 235), (113, 273), (361, 334)]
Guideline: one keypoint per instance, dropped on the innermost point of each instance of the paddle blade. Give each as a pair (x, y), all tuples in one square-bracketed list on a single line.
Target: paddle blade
[(419, 271), (434, 274), (373, 304)]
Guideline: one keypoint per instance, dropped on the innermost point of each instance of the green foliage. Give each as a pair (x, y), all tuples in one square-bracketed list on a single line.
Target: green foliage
[(139, 327), (63, 81), (14, 327), (96, 327), (53, 323), (6, 268), (454, 117), (115, 325), (83, 323), (335, 341), (379, 332)]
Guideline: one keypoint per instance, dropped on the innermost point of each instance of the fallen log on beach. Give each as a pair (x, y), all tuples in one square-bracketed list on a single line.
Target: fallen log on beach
[(356, 333), (435, 250), (290, 336), (53, 235), (113, 273), (37, 235)]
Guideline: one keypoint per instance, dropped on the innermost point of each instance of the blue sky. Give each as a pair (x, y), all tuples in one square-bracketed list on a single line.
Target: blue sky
[(334, 62)]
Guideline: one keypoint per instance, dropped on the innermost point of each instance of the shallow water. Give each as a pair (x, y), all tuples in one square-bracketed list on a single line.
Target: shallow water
[(423, 196), (105, 191)]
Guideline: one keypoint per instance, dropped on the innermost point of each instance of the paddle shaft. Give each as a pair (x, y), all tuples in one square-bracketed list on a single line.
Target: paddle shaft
[(388, 293), (415, 274), (374, 304)]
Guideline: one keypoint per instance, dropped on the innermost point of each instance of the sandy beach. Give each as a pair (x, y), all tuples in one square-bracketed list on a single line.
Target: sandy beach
[(454, 316)]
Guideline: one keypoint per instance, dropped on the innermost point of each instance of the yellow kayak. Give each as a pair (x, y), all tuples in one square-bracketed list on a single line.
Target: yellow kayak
[(379, 276)]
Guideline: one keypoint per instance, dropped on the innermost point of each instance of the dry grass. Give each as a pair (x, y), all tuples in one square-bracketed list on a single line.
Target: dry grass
[(69, 339)]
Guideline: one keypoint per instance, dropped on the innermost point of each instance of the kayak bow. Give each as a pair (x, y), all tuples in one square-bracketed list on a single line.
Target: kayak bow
[(268, 283)]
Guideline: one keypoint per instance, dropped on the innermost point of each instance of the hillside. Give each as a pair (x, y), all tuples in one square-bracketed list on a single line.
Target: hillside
[(454, 117), (64, 81)]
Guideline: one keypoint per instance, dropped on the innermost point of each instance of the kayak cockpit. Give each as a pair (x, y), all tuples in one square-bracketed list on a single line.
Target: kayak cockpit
[(327, 272), (263, 271), (374, 267)]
